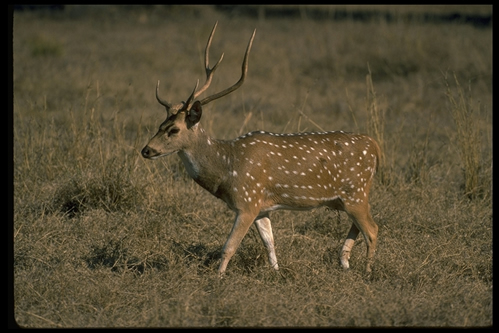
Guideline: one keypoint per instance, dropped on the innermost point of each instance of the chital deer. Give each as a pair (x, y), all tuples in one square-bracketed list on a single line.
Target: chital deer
[(260, 172)]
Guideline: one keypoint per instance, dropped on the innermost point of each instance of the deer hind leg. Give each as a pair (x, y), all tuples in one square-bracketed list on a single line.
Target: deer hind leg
[(265, 231), (239, 230), (363, 222), (347, 247)]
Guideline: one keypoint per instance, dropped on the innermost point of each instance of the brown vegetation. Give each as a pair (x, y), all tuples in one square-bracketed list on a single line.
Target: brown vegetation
[(105, 238)]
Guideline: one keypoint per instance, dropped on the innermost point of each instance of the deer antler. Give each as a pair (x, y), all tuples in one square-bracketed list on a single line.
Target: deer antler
[(244, 70), (209, 77), (209, 72), (191, 98), (161, 101)]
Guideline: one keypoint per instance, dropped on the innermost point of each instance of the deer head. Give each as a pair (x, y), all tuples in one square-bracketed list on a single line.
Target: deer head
[(183, 117)]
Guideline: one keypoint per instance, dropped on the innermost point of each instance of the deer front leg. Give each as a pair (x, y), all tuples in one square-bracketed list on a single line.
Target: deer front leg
[(265, 231), (239, 230)]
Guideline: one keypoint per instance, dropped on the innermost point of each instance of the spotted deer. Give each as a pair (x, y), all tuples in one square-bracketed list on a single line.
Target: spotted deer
[(260, 172)]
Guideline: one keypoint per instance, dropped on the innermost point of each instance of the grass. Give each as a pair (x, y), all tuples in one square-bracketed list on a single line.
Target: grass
[(105, 238), (376, 125), (466, 114)]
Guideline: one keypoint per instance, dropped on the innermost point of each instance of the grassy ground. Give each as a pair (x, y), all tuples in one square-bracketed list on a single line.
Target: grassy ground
[(105, 238)]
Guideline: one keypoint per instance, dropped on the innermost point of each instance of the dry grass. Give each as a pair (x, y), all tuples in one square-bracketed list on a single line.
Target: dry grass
[(467, 116), (105, 238)]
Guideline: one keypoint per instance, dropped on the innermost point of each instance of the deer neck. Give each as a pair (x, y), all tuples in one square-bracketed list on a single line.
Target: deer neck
[(207, 161)]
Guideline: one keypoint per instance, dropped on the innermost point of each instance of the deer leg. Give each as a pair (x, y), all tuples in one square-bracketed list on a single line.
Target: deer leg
[(239, 230), (265, 231), (365, 223), (347, 247)]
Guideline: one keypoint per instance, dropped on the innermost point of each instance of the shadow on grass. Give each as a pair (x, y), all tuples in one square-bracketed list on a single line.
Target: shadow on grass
[(115, 256)]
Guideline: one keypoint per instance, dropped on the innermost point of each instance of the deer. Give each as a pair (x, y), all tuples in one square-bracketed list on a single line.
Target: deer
[(260, 172)]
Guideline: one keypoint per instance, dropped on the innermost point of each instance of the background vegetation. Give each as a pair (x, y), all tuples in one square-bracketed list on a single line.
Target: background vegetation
[(105, 238)]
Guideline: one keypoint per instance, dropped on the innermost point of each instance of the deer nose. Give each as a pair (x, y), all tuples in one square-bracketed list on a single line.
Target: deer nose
[(148, 152)]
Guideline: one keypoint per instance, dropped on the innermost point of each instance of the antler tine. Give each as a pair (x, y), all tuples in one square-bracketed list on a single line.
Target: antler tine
[(244, 70), (160, 100), (209, 72), (191, 97)]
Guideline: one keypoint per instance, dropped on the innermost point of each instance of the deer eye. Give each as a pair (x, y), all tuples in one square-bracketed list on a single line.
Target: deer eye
[(173, 131)]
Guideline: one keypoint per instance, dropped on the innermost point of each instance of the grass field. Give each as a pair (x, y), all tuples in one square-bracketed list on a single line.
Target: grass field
[(105, 238)]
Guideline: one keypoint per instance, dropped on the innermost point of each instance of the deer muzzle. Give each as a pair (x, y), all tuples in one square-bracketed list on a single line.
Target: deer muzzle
[(148, 152)]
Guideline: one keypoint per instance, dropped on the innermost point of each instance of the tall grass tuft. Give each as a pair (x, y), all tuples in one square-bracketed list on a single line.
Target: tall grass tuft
[(466, 118), (418, 171), (111, 190), (376, 126)]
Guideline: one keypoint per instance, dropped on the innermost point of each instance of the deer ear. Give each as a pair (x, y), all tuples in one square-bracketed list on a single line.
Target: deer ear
[(194, 114)]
